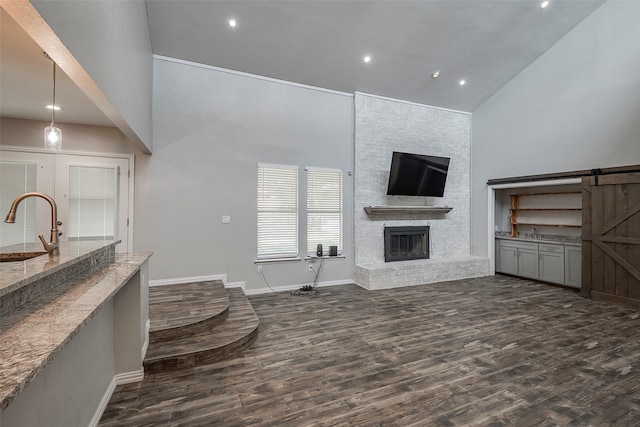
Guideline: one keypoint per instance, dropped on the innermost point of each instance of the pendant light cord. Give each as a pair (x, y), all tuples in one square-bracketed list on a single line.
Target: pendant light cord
[(53, 107)]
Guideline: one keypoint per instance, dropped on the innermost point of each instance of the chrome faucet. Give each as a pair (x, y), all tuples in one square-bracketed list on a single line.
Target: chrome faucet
[(534, 233), (52, 246)]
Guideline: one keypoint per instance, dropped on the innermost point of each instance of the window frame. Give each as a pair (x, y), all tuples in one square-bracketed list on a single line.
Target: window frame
[(313, 241), (292, 208)]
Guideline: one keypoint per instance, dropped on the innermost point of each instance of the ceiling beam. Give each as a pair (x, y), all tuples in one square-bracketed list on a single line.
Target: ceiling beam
[(27, 17)]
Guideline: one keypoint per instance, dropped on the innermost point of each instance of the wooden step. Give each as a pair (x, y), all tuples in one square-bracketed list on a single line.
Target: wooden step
[(177, 311), (219, 342)]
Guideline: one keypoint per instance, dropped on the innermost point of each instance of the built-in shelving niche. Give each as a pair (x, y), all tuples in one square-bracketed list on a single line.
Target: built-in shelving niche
[(542, 210), (562, 209)]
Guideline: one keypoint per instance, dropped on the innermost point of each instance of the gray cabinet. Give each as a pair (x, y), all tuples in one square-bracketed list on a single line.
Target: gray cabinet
[(508, 259), (573, 266), (519, 258), (528, 262), (551, 263)]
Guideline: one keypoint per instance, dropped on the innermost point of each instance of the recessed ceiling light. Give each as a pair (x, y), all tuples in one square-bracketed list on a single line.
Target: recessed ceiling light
[(544, 4), (367, 59), (53, 107), (435, 74), (462, 82), (232, 22)]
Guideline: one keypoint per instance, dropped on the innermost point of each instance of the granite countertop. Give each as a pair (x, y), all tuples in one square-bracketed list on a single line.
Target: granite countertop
[(34, 332), (18, 274), (541, 238)]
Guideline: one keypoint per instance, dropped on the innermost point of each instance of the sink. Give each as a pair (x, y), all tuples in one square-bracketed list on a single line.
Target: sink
[(19, 256)]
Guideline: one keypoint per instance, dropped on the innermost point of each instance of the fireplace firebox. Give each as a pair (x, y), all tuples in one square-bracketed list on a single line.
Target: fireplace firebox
[(406, 243)]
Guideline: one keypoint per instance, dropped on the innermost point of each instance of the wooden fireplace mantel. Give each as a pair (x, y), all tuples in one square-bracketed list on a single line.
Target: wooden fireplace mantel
[(406, 210)]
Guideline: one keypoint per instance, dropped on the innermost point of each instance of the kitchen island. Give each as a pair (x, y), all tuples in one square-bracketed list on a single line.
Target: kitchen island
[(72, 327)]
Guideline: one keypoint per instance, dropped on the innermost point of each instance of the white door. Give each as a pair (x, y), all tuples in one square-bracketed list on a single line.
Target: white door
[(22, 173), (93, 195), (93, 198)]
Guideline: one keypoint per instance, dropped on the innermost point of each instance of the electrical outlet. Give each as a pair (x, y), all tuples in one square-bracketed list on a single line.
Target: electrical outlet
[(310, 267), (259, 269)]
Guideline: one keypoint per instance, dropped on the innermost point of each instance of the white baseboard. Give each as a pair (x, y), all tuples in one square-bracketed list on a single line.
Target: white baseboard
[(298, 286), (103, 403), (182, 280), (129, 377), (241, 285), (145, 346), (119, 379)]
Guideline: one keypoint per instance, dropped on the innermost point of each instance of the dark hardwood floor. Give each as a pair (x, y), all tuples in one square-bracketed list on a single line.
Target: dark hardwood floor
[(489, 351)]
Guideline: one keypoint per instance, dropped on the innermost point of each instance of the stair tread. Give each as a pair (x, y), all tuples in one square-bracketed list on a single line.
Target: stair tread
[(175, 306), (241, 322)]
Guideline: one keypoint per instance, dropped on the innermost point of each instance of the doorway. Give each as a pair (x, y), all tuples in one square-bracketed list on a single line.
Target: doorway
[(93, 192)]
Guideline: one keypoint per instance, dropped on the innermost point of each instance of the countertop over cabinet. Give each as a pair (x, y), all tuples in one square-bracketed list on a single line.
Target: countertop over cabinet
[(21, 274), (558, 239), (553, 259), (46, 301)]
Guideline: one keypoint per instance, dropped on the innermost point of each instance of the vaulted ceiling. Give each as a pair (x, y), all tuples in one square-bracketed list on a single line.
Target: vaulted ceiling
[(323, 43)]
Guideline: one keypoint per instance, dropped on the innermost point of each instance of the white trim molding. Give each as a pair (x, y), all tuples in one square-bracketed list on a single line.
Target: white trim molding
[(298, 286), (192, 279), (402, 101), (231, 285), (118, 379), (102, 406), (145, 346), (249, 75), (129, 377)]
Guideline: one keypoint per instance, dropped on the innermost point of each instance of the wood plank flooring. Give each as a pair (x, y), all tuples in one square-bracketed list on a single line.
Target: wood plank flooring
[(490, 351), (218, 342), (175, 306)]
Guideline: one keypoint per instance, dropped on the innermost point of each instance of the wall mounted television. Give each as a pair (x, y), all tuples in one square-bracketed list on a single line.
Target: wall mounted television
[(417, 175)]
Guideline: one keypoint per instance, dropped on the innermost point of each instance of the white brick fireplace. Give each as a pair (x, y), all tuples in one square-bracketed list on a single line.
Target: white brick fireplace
[(381, 127)]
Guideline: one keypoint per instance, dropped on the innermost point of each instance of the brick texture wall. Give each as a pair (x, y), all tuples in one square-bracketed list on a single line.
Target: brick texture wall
[(385, 125)]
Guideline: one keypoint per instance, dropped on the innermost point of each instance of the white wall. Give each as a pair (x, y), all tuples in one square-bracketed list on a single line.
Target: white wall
[(574, 108), (387, 125), (211, 129), (110, 39)]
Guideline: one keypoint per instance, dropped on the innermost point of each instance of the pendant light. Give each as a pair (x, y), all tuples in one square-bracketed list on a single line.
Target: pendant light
[(53, 134)]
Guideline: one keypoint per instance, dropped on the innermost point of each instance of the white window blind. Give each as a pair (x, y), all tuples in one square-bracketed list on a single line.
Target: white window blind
[(17, 178), (93, 203), (277, 211), (324, 209)]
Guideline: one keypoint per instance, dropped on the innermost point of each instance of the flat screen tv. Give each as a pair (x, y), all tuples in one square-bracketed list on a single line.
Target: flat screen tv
[(417, 175)]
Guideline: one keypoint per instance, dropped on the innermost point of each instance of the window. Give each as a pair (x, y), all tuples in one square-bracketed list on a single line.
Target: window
[(277, 211), (17, 178), (93, 203), (324, 209)]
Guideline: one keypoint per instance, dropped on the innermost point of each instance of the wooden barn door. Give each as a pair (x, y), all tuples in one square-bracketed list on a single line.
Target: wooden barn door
[(611, 238)]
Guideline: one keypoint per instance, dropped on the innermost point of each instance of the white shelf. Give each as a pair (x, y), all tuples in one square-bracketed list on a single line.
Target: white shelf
[(406, 210)]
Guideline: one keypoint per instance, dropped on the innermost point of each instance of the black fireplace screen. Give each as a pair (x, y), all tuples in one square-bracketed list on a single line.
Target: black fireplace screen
[(406, 243)]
